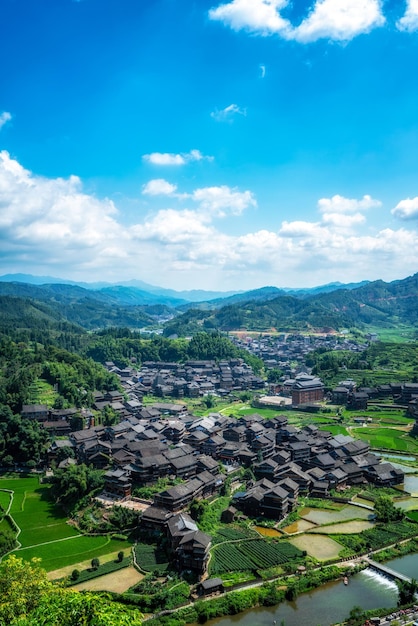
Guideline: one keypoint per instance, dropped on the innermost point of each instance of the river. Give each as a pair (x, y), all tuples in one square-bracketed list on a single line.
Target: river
[(330, 603)]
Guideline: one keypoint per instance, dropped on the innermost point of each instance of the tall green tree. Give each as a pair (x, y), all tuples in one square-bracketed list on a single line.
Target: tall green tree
[(72, 484)]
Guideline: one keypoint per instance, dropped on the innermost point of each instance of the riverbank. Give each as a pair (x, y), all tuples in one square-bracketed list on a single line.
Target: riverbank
[(260, 594), (275, 592)]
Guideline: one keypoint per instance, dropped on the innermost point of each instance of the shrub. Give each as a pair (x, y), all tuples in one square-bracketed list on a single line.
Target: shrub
[(75, 574)]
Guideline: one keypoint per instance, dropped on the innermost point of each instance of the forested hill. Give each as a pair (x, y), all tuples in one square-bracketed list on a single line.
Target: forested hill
[(376, 303), (27, 305)]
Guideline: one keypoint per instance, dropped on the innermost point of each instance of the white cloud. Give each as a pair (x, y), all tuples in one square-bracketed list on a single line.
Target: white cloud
[(53, 217), (409, 21), (212, 201), (406, 209), (167, 158), (158, 187), (4, 118), (339, 204), (339, 20), (164, 158), (259, 16), (53, 225), (220, 200), (228, 113), (299, 229), (262, 70), (339, 220), (172, 227)]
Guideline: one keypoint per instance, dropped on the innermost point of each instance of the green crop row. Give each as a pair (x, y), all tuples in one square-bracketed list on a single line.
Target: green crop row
[(151, 558), (251, 555)]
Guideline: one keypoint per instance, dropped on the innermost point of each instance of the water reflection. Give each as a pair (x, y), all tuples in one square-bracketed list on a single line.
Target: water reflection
[(411, 485)]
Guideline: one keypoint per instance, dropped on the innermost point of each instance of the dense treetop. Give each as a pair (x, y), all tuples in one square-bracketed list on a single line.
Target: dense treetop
[(28, 598)]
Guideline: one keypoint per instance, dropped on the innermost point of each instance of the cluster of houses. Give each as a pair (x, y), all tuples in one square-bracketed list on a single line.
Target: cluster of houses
[(165, 441), (404, 395), (192, 379), (284, 350)]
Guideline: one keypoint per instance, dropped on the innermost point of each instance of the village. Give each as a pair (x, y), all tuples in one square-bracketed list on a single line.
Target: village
[(199, 454)]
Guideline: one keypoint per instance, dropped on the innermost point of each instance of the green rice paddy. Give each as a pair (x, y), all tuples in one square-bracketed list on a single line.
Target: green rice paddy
[(320, 516), (57, 554), (388, 439), (45, 532)]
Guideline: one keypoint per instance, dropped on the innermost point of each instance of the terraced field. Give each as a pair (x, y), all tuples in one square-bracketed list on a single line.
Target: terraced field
[(44, 529)]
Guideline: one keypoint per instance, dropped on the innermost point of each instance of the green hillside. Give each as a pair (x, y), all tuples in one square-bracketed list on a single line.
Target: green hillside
[(377, 304)]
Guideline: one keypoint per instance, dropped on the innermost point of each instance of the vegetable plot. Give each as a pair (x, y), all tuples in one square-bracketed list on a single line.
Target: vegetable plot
[(251, 555)]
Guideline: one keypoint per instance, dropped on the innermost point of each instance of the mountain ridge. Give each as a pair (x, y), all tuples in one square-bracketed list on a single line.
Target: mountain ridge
[(374, 303)]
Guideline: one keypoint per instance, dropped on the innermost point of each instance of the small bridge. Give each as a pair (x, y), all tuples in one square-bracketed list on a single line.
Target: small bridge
[(387, 571)]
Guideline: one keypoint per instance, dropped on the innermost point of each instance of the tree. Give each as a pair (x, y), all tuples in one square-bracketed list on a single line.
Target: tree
[(73, 483), (22, 586), (197, 509), (121, 556), (274, 375), (225, 489), (291, 592), (386, 511), (72, 608), (22, 440), (28, 598), (95, 563), (59, 402), (209, 401), (356, 615), (109, 416), (66, 452), (248, 474), (406, 591), (123, 518)]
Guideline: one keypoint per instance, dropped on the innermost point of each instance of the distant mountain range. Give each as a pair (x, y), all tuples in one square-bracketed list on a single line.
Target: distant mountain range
[(135, 286), (137, 292), (98, 306)]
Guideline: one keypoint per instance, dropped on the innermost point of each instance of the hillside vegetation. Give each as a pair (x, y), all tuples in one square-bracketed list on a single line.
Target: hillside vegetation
[(376, 304)]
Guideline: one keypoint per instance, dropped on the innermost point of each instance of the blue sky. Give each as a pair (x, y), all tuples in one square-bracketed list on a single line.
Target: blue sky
[(206, 144)]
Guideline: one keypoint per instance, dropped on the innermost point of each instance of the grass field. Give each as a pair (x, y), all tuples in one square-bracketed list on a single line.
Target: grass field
[(58, 554), (37, 517), (402, 420), (387, 438), (400, 334), (45, 532), (6, 525), (4, 500), (335, 429)]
